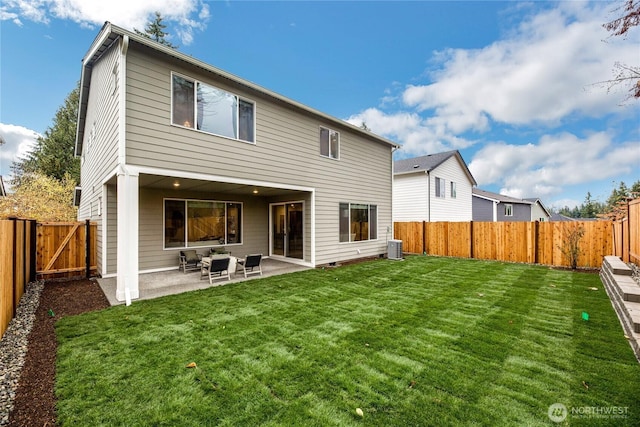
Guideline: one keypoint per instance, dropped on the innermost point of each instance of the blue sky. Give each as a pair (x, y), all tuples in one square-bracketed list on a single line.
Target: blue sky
[(512, 85)]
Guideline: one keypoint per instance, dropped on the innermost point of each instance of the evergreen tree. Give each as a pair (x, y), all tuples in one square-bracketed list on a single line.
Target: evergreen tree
[(53, 154), (587, 210), (616, 207), (155, 31), (618, 195)]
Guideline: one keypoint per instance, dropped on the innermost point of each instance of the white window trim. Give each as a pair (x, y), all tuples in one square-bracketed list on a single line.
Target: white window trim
[(195, 101), (440, 189), (330, 131), (186, 234), (508, 206), (369, 208)]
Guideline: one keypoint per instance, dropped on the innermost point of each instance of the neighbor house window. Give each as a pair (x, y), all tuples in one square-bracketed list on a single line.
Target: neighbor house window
[(453, 190), (199, 223), (440, 187), (329, 143), (358, 222), (508, 210), (197, 105)]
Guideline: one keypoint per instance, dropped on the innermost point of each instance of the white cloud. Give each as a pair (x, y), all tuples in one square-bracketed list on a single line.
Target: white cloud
[(543, 169), (185, 16), (417, 135), (542, 74), (18, 142), (533, 81)]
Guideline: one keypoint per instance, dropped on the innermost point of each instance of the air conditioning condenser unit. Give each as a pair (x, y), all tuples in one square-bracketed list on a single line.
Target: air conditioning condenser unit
[(394, 249)]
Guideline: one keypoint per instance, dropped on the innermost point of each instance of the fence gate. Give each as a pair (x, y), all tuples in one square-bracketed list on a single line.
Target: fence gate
[(65, 249)]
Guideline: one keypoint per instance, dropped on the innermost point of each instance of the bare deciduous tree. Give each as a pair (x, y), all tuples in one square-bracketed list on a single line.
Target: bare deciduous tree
[(628, 17)]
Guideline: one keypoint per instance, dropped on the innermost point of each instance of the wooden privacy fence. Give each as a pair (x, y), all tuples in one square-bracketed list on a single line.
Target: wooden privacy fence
[(528, 242), (626, 234), (17, 264), (30, 250)]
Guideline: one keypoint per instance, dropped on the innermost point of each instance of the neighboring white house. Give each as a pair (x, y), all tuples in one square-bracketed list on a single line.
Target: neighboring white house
[(539, 211), (176, 154), (493, 207), (431, 188)]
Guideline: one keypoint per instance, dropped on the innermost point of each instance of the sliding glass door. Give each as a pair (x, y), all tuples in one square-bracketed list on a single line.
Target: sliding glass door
[(287, 230)]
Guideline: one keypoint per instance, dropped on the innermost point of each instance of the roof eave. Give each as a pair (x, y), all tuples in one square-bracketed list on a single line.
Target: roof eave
[(110, 29), (85, 81)]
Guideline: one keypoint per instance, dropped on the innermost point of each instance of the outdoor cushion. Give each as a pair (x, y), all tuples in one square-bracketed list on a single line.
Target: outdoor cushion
[(190, 256)]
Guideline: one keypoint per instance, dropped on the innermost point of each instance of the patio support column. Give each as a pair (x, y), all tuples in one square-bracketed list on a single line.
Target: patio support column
[(127, 279)]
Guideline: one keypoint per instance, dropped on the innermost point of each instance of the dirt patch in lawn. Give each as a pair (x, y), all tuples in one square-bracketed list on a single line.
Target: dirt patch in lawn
[(35, 402)]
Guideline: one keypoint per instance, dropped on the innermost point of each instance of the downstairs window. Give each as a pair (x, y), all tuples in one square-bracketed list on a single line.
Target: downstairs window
[(358, 222), (201, 223)]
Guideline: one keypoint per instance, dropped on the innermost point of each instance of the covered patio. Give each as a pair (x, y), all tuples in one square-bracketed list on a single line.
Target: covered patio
[(154, 285)]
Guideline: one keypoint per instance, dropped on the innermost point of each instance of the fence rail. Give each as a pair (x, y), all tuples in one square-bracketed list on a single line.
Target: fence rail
[(528, 242), (30, 250)]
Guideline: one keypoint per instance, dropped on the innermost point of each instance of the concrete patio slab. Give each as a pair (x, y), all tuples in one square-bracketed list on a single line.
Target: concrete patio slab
[(154, 285)]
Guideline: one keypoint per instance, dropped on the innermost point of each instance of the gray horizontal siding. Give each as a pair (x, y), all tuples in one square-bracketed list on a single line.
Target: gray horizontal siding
[(520, 211), (112, 230), (482, 209), (100, 151), (286, 151), (152, 254)]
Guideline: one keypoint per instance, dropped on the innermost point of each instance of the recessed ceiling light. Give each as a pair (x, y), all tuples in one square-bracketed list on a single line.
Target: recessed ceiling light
[(176, 184), (255, 191)]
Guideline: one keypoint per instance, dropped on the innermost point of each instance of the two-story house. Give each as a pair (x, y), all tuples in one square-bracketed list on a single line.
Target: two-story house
[(176, 154), (431, 188), (489, 206)]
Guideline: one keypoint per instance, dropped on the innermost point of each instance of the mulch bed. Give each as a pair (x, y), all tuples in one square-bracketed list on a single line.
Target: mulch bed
[(35, 401)]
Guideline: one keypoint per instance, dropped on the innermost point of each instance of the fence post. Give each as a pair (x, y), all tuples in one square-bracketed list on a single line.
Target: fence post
[(34, 250), (424, 237), (14, 267), (87, 247), (24, 254), (628, 258), (471, 240), (536, 229)]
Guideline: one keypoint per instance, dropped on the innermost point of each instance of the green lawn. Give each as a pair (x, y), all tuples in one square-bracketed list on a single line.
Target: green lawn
[(424, 341)]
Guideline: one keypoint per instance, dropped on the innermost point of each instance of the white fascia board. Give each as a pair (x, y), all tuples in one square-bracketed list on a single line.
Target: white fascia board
[(485, 198)]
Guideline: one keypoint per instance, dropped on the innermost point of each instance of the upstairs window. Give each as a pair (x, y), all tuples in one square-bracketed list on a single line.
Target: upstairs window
[(508, 210), (453, 190), (209, 109), (440, 187), (329, 143)]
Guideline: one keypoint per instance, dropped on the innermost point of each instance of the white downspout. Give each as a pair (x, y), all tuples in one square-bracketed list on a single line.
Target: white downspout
[(128, 209), (428, 196)]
